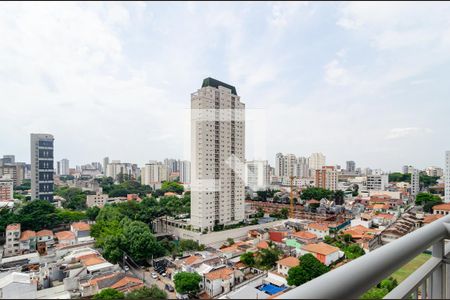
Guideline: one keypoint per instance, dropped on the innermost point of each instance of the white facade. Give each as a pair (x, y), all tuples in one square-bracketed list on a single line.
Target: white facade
[(185, 171), (415, 182), (257, 175), (115, 168), (316, 161), (377, 182), (434, 171), (64, 166), (447, 176), (218, 155), (153, 173), (6, 189), (12, 240)]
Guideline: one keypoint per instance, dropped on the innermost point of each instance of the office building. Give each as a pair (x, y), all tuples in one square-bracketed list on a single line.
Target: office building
[(217, 155), (447, 177), (377, 182), (257, 175), (326, 178), (350, 166), (42, 166), (185, 171)]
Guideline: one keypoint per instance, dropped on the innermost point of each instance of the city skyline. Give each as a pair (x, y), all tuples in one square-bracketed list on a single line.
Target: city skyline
[(371, 96)]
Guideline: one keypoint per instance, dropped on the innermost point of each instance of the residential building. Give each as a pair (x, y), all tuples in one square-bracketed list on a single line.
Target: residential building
[(16, 170), (7, 160), (377, 182), (447, 177), (325, 253), (415, 187), (350, 166), (6, 189), (116, 168), (80, 229), (434, 171), (65, 238), (316, 161), (285, 264), (173, 165), (154, 173), (64, 166), (42, 166), (257, 175), (15, 285), (218, 155), (105, 164), (185, 171), (96, 200), (407, 169), (441, 209), (12, 240), (27, 241), (279, 165), (302, 167), (44, 239), (222, 280), (326, 178), (319, 229)]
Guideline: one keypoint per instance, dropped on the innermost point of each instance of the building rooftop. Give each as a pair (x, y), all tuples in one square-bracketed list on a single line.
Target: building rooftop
[(289, 261), (44, 232), (65, 235), (320, 248), (216, 83), (222, 273), (318, 226), (304, 235), (15, 226), (81, 226), (27, 234), (445, 206)]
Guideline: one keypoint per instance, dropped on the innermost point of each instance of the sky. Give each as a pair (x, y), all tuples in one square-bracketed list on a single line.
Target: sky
[(367, 82)]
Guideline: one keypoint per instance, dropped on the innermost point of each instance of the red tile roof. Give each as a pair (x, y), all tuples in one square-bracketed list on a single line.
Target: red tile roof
[(445, 206), (11, 227), (65, 235), (320, 248), (262, 245), (318, 226), (44, 232), (431, 218), (289, 261), (27, 234), (305, 235), (222, 273), (81, 226)]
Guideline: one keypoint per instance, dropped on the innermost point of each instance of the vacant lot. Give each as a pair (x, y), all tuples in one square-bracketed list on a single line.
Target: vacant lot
[(410, 267)]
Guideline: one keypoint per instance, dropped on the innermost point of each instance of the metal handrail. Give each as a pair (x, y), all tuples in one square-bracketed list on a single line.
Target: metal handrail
[(356, 277)]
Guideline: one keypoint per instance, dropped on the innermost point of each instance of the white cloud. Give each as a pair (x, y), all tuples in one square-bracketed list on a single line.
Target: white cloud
[(335, 74), (406, 132)]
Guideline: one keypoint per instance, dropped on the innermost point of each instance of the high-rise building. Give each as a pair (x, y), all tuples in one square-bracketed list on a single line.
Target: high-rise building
[(447, 177), (105, 165), (415, 187), (350, 166), (172, 165), (326, 178), (42, 166), (116, 168), (7, 160), (257, 174), (185, 171), (407, 169), (217, 155), (377, 182), (302, 167), (316, 161), (58, 168), (279, 165), (154, 173), (65, 166), (434, 171)]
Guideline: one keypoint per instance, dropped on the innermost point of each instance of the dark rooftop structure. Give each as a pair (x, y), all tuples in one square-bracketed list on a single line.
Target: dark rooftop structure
[(216, 83)]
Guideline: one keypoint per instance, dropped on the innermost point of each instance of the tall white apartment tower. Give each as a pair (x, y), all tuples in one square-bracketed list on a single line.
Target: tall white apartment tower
[(185, 171), (316, 161), (257, 174), (41, 166), (217, 155), (447, 176), (415, 182), (64, 166)]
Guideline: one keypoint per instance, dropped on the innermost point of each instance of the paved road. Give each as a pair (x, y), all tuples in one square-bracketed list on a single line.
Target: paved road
[(149, 281)]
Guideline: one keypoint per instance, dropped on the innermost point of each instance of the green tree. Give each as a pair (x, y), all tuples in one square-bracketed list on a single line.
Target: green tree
[(147, 293), (353, 251), (427, 200), (381, 289), (92, 213), (248, 258), (75, 197), (316, 193), (397, 177), (140, 243), (108, 294), (189, 245), (338, 197), (309, 268), (267, 258), (171, 186), (355, 190), (187, 283)]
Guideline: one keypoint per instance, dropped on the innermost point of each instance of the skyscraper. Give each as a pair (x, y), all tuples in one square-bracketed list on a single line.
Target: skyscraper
[(447, 176), (185, 171), (64, 166), (42, 166), (279, 165), (217, 155), (316, 161), (257, 174), (105, 165), (350, 166)]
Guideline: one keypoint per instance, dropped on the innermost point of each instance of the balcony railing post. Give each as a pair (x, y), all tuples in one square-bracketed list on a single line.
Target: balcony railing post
[(437, 291)]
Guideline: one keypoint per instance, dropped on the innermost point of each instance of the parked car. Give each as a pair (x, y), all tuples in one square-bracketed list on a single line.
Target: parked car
[(154, 275), (163, 274), (126, 268)]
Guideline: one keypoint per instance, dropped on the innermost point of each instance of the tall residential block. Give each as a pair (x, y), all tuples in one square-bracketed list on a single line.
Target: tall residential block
[(447, 176), (415, 187), (105, 165), (377, 182), (326, 178), (217, 155), (64, 166), (154, 173), (185, 171), (6, 188), (316, 161), (42, 166), (257, 175)]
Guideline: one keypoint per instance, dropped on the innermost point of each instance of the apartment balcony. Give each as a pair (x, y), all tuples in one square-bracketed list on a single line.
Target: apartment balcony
[(350, 281)]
